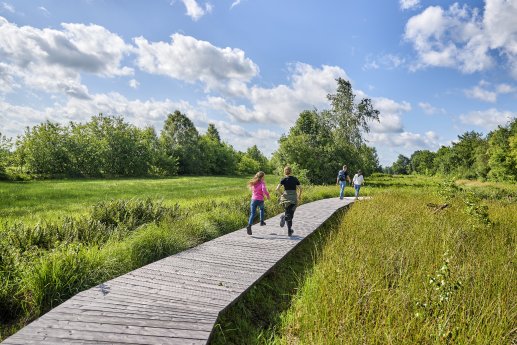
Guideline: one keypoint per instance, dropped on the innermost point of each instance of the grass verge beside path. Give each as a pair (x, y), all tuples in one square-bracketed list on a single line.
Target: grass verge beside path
[(412, 274)]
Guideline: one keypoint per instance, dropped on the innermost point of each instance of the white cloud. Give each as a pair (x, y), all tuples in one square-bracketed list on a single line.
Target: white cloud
[(505, 88), (387, 61), (390, 113), (195, 11), (138, 112), (479, 93), (282, 104), (482, 92), (52, 60), (409, 4), (407, 140), (488, 119), (133, 83), (189, 59), (7, 79), (390, 145), (241, 139), (235, 3), (459, 37), (8, 7), (429, 109), (44, 10)]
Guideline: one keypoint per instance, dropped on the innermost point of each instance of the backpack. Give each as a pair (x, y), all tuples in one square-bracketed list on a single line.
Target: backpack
[(342, 175)]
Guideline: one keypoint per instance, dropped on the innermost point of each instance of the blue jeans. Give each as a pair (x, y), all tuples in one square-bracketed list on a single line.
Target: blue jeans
[(342, 184), (253, 205), (357, 187)]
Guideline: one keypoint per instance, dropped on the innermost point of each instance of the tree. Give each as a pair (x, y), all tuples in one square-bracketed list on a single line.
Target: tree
[(310, 145), (402, 165), (463, 154), (368, 160), (5, 153), (347, 118), (213, 133), (180, 139), (247, 166), (255, 154), (501, 162), (422, 162), (43, 149), (444, 161)]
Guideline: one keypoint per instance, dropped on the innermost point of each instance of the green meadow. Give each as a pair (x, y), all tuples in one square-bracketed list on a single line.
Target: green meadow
[(423, 261)]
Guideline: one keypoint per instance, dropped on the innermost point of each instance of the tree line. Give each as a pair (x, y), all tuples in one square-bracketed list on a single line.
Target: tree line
[(474, 156), (107, 146)]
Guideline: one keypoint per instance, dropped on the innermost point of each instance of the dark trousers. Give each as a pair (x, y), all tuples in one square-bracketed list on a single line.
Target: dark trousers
[(289, 214)]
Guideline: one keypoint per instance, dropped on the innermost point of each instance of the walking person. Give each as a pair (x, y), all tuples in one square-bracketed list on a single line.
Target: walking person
[(258, 192), (342, 177), (289, 199), (358, 180)]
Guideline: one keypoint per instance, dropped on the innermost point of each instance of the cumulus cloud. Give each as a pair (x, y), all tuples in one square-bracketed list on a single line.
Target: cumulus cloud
[(478, 92), (139, 112), (191, 60), (196, 11), (52, 60), (408, 4), (7, 79), (390, 115), (408, 140), (488, 119), (460, 37), (241, 139), (308, 88), (486, 92)]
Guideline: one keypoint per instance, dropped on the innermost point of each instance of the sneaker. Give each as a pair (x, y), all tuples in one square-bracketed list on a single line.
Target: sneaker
[(248, 229), (282, 220), (290, 232), (262, 223)]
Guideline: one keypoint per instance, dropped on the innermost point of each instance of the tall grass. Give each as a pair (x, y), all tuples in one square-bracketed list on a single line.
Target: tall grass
[(400, 272)]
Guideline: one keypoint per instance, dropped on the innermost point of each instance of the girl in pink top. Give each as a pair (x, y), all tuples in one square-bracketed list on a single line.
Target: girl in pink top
[(258, 190)]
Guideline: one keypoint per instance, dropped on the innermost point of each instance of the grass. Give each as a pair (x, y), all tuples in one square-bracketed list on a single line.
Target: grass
[(62, 237), (399, 270), (396, 269), (31, 201)]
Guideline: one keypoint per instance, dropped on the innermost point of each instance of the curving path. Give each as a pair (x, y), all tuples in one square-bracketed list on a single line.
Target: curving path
[(176, 300)]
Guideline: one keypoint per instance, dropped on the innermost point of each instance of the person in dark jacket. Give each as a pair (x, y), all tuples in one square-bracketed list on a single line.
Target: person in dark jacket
[(342, 177), (290, 198)]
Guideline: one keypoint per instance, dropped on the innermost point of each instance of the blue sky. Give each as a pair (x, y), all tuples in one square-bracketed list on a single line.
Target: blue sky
[(435, 69)]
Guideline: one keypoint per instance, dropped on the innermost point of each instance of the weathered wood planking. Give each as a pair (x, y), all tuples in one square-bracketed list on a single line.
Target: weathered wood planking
[(175, 300)]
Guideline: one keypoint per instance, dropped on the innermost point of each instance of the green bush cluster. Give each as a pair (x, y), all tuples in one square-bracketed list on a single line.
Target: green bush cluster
[(473, 156)]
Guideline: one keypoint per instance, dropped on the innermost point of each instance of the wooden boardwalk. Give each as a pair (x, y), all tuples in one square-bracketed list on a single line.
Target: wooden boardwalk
[(176, 300)]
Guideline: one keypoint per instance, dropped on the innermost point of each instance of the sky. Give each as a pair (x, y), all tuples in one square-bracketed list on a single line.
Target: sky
[(434, 69)]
